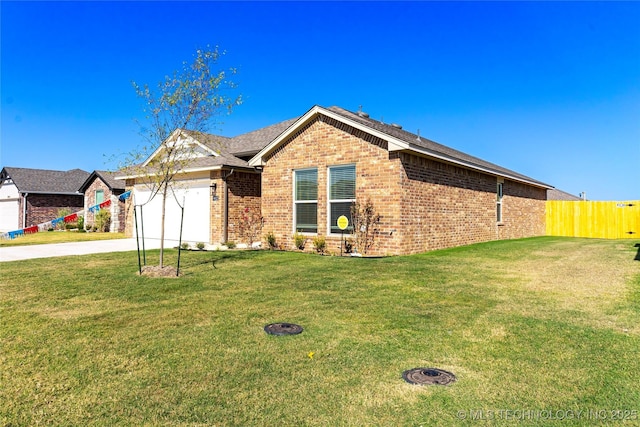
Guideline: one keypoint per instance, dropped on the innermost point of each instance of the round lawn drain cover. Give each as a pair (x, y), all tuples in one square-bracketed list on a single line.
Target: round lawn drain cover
[(427, 376), (283, 329)]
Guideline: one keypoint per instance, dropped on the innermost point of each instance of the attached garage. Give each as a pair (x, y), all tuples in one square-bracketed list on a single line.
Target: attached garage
[(193, 195), (9, 214)]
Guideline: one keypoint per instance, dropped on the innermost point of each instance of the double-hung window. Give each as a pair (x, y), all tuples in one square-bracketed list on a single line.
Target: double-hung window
[(306, 201), (499, 202), (342, 195)]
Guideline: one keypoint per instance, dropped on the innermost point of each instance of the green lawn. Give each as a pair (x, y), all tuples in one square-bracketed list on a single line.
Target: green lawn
[(533, 329), (58, 237)]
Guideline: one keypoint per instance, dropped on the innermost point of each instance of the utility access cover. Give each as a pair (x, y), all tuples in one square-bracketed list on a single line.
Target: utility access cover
[(428, 376), (283, 329)]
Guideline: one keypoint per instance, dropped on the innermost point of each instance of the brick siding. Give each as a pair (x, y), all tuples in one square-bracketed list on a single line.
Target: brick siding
[(424, 204), (117, 208), (45, 207)]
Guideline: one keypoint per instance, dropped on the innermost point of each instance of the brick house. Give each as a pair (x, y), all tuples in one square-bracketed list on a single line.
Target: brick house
[(101, 187), (32, 196), (303, 173)]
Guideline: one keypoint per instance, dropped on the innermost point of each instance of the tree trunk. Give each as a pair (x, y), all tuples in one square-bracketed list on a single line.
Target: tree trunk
[(164, 204)]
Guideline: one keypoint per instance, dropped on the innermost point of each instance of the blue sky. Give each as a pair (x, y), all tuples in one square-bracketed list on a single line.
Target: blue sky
[(548, 89)]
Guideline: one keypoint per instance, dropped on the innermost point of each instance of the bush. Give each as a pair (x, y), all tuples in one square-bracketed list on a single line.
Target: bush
[(299, 240), (80, 223), (365, 225), (200, 245), (249, 226), (230, 245), (271, 240), (103, 220), (320, 244), (184, 246), (61, 214)]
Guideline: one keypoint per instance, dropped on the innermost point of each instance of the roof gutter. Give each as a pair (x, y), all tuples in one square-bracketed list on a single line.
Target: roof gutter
[(77, 193)]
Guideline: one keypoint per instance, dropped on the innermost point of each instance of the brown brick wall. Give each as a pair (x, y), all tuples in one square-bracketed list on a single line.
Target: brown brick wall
[(321, 144), (90, 200), (45, 207), (244, 195), (523, 211), (424, 204)]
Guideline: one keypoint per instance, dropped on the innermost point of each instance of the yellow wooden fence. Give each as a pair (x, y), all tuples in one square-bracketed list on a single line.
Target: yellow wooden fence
[(604, 220)]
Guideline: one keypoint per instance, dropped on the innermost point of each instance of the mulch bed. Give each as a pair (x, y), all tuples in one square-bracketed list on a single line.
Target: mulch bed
[(157, 271)]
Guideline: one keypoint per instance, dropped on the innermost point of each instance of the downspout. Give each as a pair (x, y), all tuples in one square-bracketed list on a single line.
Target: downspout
[(225, 215), (24, 210)]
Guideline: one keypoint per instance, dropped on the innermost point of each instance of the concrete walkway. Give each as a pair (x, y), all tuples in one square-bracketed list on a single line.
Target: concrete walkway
[(17, 253)]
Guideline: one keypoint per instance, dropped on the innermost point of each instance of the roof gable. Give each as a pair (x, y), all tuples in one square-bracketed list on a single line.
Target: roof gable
[(46, 181), (181, 137), (109, 178), (398, 140)]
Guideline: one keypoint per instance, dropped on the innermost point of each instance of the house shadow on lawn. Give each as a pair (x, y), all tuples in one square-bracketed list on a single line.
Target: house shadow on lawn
[(637, 258)]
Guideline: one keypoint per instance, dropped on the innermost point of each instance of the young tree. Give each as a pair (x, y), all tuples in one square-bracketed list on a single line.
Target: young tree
[(192, 99)]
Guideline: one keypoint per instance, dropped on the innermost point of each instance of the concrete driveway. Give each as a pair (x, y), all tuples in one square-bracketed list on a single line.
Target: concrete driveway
[(17, 253)]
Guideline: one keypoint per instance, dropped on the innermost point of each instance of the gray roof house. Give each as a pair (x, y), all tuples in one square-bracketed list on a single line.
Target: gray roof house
[(32, 196)]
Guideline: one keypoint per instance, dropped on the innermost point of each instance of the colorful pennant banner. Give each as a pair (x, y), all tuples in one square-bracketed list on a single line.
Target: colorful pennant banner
[(41, 227)]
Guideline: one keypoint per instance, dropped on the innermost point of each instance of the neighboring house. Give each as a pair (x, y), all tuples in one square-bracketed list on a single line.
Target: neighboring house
[(555, 194), (32, 196), (102, 188), (302, 174)]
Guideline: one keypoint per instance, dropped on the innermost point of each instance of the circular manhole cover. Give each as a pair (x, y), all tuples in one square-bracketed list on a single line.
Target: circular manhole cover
[(426, 376), (283, 329)]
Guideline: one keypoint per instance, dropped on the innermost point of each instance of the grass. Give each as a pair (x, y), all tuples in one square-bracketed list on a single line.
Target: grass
[(543, 324), (58, 237)]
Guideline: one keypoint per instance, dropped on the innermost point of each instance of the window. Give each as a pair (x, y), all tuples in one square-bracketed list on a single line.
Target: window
[(99, 196), (306, 201), (499, 202), (342, 194)]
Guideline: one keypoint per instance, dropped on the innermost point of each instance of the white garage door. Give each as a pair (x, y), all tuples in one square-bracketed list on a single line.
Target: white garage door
[(9, 214), (196, 224)]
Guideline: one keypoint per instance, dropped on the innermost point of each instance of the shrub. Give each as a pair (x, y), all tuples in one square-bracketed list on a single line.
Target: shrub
[(80, 223), (103, 220), (299, 240), (200, 245), (249, 225), (230, 245), (320, 244), (62, 213), (365, 222), (184, 246), (271, 240)]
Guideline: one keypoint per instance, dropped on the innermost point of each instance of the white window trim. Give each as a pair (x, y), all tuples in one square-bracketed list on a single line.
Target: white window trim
[(499, 197), (329, 201), (295, 205)]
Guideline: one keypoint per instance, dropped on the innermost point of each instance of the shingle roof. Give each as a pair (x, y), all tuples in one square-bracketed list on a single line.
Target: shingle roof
[(555, 194), (109, 178), (231, 149), (250, 143), (47, 181), (431, 146)]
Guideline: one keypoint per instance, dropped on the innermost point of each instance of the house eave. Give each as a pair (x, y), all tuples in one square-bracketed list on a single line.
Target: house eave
[(394, 144), (412, 149)]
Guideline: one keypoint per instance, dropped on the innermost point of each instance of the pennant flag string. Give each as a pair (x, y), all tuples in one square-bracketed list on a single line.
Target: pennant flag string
[(40, 227), (124, 196)]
